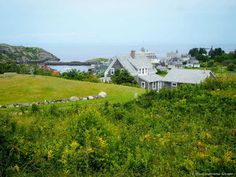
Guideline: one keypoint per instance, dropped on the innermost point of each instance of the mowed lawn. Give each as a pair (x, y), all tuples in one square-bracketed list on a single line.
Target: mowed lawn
[(26, 88)]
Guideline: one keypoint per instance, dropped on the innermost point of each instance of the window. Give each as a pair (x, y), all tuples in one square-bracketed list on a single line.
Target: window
[(143, 84), (112, 70), (146, 70), (154, 85), (142, 70), (139, 71), (173, 84)]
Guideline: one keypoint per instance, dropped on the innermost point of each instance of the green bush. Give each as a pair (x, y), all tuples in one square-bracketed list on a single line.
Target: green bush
[(178, 132)]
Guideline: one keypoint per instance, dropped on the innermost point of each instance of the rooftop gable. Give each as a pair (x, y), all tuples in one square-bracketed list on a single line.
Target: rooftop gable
[(187, 76)]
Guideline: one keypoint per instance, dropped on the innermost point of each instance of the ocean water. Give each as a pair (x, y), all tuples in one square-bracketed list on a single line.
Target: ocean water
[(78, 52), (63, 68)]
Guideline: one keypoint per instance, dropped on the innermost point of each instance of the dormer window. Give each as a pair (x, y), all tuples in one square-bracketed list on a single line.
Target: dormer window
[(139, 70), (142, 70)]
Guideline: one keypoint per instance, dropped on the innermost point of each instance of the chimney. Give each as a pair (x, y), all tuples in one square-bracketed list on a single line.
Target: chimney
[(132, 53)]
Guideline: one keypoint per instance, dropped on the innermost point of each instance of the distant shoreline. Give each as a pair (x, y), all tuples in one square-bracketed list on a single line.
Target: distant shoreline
[(72, 63)]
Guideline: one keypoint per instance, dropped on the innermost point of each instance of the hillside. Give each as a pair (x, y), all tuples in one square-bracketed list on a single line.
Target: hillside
[(98, 60), (23, 54), (25, 88), (188, 131)]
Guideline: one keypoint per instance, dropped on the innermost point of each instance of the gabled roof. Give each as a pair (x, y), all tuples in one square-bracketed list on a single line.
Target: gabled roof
[(133, 64), (151, 77), (124, 61), (187, 76), (140, 62)]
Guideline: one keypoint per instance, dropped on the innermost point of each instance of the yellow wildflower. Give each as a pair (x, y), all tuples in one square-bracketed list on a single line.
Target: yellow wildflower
[(17, 168), (215, 159), (228, 156), (74, 145), (102, 142), (89, 150), (202, 155), (147, 136), (50, 155)]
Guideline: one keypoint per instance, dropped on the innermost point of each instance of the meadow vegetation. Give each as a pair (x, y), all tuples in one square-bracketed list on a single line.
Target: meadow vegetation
[(26, 88), (179, 132)]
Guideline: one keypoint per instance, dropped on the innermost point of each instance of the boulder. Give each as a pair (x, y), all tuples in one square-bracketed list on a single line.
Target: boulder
[(102, 94), (74, 98), (90, 97), (10, 106), (85, 98), (25, 104)]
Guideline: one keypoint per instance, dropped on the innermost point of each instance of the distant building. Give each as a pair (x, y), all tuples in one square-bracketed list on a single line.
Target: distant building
[(193, 63), (140, 66), (177, 77)]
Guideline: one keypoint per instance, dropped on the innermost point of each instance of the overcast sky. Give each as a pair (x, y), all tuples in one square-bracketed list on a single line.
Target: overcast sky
[(118, 21)]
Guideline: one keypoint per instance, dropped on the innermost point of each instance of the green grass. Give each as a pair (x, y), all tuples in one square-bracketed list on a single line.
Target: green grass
[(185, 131), (25, 88)]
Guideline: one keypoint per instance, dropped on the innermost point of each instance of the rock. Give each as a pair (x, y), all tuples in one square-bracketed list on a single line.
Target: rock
[(25, 104), (90, 97), (23, 54), (10, 106), (95, 97), (74, 98), (85, 98), (102, 94)]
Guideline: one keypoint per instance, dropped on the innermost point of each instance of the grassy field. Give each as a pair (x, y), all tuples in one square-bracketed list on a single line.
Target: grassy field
[(186, 131), (25, 88)]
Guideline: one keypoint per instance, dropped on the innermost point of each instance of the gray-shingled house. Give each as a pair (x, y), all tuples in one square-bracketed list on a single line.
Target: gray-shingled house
[(177, 77), (139, 66)]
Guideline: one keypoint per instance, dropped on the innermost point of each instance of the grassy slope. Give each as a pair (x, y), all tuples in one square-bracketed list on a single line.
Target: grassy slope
[(25, 88), (180, 132)]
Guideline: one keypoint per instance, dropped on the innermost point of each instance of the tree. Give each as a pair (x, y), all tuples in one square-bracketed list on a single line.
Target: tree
[(216, 52), (202, 51), (231, 67), (123, 77), (193, 52)]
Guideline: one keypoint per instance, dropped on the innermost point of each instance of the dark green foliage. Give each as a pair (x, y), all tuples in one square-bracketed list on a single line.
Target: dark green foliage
[(178, 132), (123, 77), (34, 108), (216, 52), (162, 73), (23, 69), (197, 51), (78, 75), (231, 67)]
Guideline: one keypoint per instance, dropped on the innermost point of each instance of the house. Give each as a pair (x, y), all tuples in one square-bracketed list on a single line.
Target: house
[(177, 77), (193, 63), (175, 62), (139, 65)]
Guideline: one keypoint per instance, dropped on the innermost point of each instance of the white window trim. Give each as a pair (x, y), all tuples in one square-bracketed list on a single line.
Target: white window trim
[(143, 84), (112, 71), (146, 71)]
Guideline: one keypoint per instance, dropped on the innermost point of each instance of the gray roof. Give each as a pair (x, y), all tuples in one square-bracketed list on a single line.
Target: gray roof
[(140, 62), (125, 62), (151, 77), (187, 76)]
